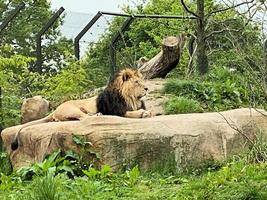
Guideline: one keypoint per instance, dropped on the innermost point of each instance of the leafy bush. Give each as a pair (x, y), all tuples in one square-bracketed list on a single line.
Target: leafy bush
[(57, 162), (5, 164), (15, 81), (220, 90), (182, 105)]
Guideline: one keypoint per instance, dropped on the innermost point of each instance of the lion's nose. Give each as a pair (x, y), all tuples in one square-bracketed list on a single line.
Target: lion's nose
[(146, 89)]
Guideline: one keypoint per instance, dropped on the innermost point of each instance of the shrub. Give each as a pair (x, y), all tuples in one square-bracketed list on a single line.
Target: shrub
[(220, 90), (5, 165), (182, 105)]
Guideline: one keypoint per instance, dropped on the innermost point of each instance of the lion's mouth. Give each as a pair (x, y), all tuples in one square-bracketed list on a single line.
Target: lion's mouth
[(141, 96)]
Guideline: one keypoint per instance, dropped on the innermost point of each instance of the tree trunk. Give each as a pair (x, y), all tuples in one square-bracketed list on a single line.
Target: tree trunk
[(166, 60), (202, 58)]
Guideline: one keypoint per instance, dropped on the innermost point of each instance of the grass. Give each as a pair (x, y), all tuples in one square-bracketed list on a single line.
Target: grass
[(176, 105), (234, 181), (244, 177)]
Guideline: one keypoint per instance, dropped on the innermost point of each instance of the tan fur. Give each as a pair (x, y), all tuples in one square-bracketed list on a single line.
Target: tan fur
[(132, 90)]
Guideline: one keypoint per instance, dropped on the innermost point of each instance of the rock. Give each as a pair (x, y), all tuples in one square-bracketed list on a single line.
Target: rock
[(161, 141), (34, 108), (154, 100)]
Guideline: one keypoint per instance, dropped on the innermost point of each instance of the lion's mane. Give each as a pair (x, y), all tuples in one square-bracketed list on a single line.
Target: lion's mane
[(119, 95)]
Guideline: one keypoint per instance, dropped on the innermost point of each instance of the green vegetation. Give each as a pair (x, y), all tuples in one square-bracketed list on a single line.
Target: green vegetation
[(220, 90), (237, 179), (176, 105), (236, 77)]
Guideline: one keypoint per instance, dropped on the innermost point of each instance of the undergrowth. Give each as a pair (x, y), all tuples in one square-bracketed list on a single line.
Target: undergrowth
[(243, 177), (220, 90)]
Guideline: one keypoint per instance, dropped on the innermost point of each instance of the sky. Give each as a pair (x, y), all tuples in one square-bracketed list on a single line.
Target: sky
[(79, 12), (90, 6)]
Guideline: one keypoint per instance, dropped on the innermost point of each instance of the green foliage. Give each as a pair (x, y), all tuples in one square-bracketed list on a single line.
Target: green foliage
[(94, 174), (176, 105), (5, 164), (68, 82), (234, 181), (15, 81), (44, 188), (257, 153), (220, 90), (54, 164), (237, 179), (18, 82), (19, 38)]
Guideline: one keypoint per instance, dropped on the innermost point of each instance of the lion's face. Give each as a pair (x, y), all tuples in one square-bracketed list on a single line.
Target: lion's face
[(131, 85)]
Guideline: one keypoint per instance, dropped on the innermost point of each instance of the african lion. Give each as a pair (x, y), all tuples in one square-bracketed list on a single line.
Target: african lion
[(121, 97)]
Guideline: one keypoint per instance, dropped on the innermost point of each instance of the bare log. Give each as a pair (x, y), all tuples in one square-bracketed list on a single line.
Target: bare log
[(166, 60)]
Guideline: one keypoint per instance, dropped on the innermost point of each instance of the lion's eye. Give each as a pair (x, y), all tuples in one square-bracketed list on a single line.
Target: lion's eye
[(136, 81)]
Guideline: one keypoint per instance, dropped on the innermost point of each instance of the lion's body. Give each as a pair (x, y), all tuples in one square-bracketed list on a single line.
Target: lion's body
[(121, 97)]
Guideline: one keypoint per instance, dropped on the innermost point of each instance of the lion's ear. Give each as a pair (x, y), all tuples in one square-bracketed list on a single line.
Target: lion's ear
[(126, 76)]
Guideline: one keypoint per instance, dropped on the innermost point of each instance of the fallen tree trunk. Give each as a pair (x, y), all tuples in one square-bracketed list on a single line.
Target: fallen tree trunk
[(166, 60)]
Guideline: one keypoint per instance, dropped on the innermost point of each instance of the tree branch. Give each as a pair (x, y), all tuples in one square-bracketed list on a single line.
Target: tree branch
[(233, 30), (187, 9), (229, 8), (234, 127)]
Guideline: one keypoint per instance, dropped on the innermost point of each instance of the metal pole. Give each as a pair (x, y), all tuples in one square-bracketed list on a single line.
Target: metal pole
[(100, 13), (51, 21), (81, 34), (114, 40), (12, 16), (148, 16)]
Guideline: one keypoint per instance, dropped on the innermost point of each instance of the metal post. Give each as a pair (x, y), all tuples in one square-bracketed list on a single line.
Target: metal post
[(81, 34), (115, 39), (51, 21), (12, 16), (148, 16), (265, 66)]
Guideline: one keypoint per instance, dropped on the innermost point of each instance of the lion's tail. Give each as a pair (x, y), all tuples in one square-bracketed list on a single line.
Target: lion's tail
[(15, 143)]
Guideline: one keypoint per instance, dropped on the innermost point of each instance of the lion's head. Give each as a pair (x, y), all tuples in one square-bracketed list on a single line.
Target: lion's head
[(130, 84)]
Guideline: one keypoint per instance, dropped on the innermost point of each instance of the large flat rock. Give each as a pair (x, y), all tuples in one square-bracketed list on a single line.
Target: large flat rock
[(154, 142)]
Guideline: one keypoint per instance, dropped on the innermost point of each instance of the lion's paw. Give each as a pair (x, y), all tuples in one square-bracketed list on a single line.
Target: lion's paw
[(98, 114), (146, 114)]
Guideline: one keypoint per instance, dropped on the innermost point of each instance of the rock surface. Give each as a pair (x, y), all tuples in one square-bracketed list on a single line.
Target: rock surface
[(34, 108), (161, 141)]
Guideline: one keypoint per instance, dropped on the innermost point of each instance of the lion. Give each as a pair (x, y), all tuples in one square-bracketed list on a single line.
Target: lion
[(121, 97)]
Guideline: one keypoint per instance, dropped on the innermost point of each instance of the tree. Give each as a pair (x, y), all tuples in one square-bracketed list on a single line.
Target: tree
[(20, 36), (204, 14)]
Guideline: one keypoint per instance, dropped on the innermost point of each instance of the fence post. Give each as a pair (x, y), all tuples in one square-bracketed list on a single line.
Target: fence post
[(51, 21), (81, 34), (115, 39), (3, 25), (13, 14), (265, 66)]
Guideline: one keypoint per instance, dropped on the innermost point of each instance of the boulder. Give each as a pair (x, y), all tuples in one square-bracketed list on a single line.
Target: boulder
[(34, 108), (161, 141)]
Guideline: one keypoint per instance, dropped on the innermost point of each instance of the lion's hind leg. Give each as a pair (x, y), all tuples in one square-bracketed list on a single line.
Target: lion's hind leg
[(69, 114)]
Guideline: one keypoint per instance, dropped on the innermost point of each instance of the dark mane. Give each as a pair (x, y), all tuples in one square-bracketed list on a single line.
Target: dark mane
[(111, 102)]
